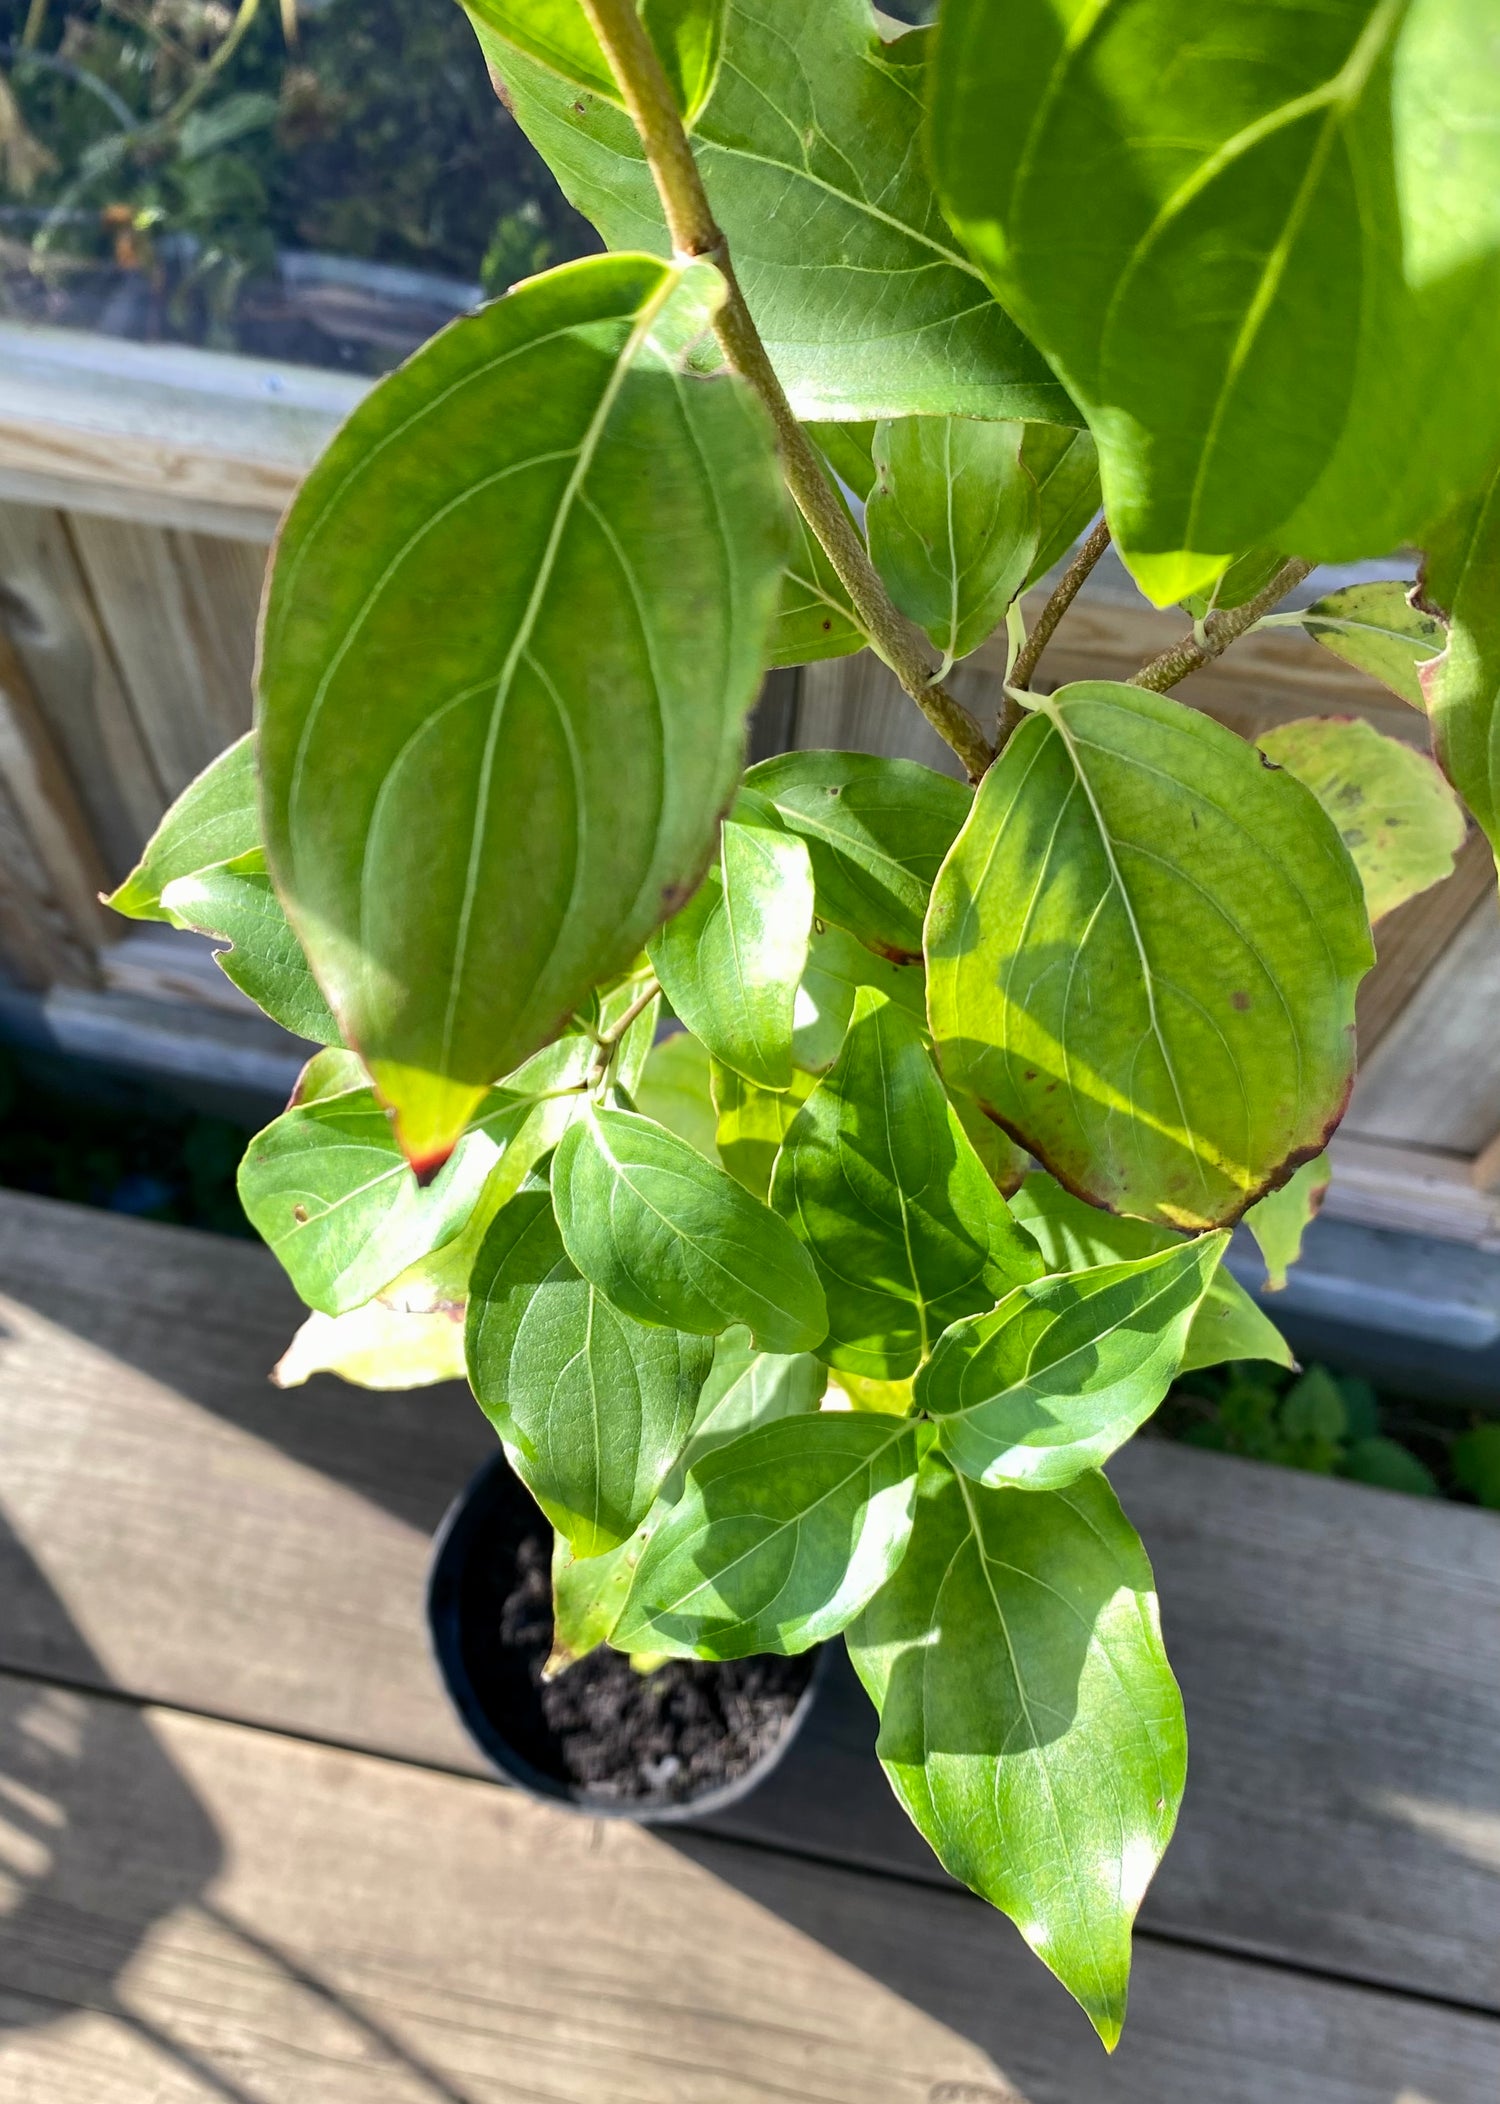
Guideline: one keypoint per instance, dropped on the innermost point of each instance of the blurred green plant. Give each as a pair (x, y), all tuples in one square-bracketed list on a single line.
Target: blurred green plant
[(188, 140), (1330, 1424)]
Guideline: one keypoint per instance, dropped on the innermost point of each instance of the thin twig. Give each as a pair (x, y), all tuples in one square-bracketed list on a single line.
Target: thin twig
[(1214, 636), (1067, 589), (647, 96), (609, 1041)]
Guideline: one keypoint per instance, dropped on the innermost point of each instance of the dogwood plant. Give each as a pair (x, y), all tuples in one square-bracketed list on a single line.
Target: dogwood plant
[(825, 1315)]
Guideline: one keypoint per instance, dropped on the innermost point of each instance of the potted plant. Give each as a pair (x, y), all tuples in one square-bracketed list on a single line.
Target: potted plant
[(776, 1321)]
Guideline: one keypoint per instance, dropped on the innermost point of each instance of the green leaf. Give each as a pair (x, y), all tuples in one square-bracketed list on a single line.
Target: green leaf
[(837, 966), (674, 1089), (1398, 818), (1387, 1465), (236, 903), (731, 960), (588, 1593), (475, 819), (1246, 575), (688, 36), (331, 1072), (1461, 576), (1005, 1163), (327, 1186), (953, 523), (1280, 1219), (1064, 465), (377, 1346), (1476, 1463), (1029, 1721), (849, 450), (877, 831), (1075, 1236), (746, 1388), (670, 1239), (753, 1122), (214, 820), (1375, 628), (878, 1179), (780, 1537), (815, 619), (1142, 956), (809, 148), (1062, 1373), (1262, 250), (594, 1408)]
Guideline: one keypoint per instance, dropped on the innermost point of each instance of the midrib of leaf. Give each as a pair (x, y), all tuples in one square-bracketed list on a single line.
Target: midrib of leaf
[(639, 336), (1148, 976), (1080, 1908), (794, 1525)]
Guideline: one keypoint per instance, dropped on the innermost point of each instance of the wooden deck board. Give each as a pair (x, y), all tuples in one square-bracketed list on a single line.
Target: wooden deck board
[(177, 1529), (221, 1913)]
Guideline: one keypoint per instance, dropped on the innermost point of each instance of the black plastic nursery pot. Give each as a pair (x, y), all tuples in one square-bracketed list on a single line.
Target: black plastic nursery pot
[(688, 1739)]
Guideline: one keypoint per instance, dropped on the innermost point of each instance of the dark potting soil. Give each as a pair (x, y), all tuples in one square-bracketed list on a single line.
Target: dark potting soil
[(605, 1733)]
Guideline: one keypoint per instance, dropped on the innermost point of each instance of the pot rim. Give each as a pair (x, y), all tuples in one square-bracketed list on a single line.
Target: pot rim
[(451, 1547)]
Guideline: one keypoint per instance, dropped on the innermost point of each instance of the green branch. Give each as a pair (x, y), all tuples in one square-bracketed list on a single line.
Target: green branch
[(647, 95)]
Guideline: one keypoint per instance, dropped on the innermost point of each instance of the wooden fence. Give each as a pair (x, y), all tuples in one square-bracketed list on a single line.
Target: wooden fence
[(139, 491)]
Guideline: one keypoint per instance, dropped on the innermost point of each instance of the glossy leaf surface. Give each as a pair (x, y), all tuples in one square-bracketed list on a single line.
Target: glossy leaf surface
[(1375, 628), (593, 1407), (1142, 957), (837, 967), (753, 1122), (1029, 1721), (672, 1240), (1399, 819), (329, 1189), (1462, 577), (1048, 1385), (1073, 1236), (687, 34), (877, 831), (236, 902), (809, 148), (1280, 1220), (953, 522), (731, 960), (1261, 244), (214, 820), (878, 1179), (474, 820), (779, 1538)]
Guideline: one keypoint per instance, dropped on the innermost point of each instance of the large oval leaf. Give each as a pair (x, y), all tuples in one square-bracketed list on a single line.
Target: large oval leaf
[(593, 1407), (1142, 957), (778, 1539), (877, 831), (1398, 818), (1462, 576), (670, 1239), (809, 149), (1029, 1721), (1262, 249), (478, 804), (1376, 628), (1073, 1236), (1049, 1384), (953, 521), (731, 960), (878, 1178)]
